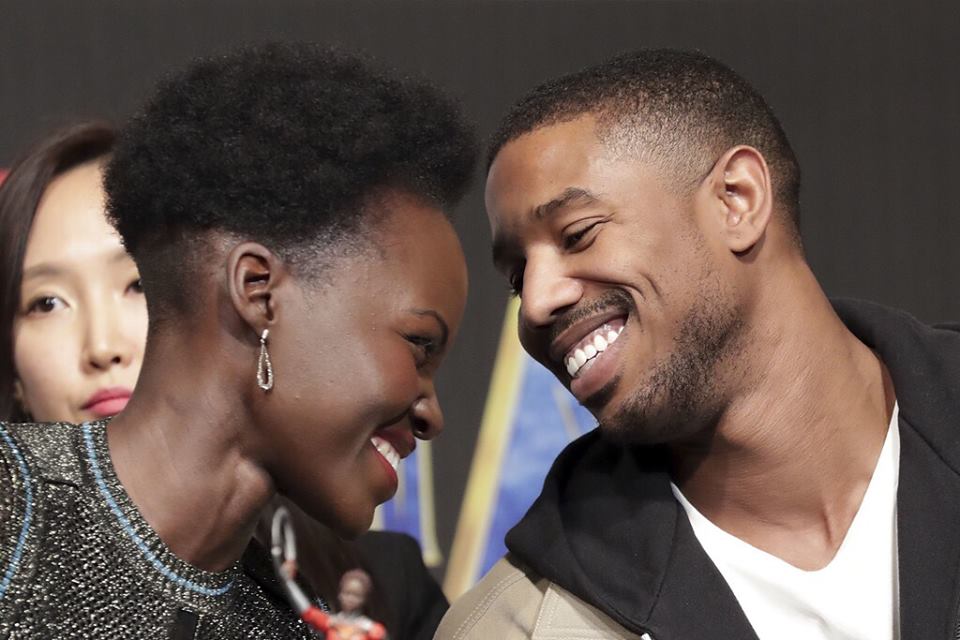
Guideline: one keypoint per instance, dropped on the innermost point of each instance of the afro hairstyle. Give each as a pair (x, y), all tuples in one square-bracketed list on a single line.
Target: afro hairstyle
[(283, 144)]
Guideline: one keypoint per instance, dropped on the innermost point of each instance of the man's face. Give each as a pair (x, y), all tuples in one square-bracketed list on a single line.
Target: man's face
[(624, 297)]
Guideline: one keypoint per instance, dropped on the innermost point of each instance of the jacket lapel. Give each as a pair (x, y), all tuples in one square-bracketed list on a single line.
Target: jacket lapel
[(928, 532), (924, 364), (695, 602)]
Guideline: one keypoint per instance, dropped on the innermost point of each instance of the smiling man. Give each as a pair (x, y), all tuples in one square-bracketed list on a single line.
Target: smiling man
[(769, 464)]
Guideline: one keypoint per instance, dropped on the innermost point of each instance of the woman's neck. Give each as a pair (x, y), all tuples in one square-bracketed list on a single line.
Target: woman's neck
[(179, 449)]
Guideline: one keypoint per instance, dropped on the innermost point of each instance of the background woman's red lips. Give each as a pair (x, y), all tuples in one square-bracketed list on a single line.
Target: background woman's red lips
[(107, 402), (111, 393)]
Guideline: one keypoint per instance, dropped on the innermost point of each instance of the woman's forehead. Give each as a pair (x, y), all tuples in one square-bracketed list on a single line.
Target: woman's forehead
[(70, 226)]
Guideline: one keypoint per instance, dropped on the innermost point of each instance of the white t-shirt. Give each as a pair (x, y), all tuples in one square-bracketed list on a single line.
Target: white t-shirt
[(855, 597)]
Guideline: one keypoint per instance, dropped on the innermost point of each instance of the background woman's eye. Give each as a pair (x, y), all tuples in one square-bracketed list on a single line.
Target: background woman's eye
[(136, 286), (45, 304)]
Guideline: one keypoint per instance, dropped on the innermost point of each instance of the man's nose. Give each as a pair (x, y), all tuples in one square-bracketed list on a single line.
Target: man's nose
[(547, 291)]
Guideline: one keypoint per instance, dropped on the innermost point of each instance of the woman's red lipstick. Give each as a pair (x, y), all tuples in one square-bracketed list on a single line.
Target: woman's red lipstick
[(107, 402)]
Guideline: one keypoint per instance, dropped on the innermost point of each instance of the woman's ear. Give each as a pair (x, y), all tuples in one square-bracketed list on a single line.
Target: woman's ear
[(741, 194), (253, 274)]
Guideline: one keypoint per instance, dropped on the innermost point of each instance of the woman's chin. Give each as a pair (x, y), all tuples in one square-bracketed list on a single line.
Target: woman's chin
[(348, 521), (353, 526)]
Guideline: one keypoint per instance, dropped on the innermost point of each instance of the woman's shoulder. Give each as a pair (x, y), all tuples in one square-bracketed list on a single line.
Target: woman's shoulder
[(41, 451)]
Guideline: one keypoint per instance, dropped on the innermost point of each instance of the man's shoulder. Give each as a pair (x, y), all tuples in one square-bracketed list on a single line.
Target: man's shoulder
[(510, 603)]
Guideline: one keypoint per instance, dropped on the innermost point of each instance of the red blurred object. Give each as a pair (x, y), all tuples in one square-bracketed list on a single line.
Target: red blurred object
[(3, 174)]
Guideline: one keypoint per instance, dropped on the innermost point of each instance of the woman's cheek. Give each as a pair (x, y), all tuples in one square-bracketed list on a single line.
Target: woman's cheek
[(47, 365)]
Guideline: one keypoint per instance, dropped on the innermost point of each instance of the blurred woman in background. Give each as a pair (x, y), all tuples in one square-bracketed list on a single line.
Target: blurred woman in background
[(73, 319)]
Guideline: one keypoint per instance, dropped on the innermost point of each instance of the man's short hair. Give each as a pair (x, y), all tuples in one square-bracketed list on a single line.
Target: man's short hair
[(678, 110), (283, 144)]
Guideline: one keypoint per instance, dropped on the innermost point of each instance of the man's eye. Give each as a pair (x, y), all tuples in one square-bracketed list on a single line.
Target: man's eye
[(572, 240), (45, 304)]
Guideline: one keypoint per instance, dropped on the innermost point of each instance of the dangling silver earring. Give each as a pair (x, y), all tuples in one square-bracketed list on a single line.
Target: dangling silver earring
[(264, 366)]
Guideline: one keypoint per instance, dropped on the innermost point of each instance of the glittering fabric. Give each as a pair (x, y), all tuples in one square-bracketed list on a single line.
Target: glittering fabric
[(78, 561)]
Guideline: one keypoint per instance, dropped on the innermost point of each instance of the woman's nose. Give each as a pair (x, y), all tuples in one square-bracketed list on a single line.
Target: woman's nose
[(427, 416), (106, 344)]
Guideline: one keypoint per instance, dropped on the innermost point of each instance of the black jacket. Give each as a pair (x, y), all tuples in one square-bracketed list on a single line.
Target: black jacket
[(608, 529)]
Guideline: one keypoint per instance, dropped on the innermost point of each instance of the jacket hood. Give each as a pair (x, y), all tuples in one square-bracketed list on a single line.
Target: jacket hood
[(607, 528)]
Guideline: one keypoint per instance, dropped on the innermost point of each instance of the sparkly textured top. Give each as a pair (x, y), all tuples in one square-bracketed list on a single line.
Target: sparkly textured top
[(78, 561)]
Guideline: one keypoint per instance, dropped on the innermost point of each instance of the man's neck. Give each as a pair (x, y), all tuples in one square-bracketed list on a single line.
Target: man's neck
[(788, 462), (179, 450)]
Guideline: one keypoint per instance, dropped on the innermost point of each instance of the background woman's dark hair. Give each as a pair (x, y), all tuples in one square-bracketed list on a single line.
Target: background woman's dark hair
[(284, 144), (20, 195)]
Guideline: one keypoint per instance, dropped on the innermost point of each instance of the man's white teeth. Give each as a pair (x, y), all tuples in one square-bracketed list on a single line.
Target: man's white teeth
[(387, 451), (579, 357), (590, 348)]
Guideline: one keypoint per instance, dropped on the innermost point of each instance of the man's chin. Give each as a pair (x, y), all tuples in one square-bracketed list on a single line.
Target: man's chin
[(599, 404), (635, 422)]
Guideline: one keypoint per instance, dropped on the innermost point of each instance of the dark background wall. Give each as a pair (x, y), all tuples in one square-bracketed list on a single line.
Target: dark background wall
[(868, 92)]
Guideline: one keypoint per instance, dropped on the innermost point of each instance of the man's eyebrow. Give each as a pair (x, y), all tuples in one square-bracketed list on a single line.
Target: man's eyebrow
[(444, 329), (570, 196)]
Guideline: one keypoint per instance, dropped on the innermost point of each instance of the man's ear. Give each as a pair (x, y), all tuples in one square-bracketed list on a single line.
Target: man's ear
[(739, 187), (253, 273)]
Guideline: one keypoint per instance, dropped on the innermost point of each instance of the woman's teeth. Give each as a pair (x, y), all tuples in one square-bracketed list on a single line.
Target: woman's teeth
[(387, 451), (590, 347)]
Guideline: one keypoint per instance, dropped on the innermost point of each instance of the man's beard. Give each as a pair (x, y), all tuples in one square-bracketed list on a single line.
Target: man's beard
[(681, 394)]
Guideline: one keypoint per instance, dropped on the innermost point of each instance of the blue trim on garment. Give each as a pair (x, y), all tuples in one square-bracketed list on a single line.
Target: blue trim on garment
[(27, 513), (166, 571)]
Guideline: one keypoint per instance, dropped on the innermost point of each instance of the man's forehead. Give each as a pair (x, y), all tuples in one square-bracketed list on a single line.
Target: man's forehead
[(544, 146), (539, 166)]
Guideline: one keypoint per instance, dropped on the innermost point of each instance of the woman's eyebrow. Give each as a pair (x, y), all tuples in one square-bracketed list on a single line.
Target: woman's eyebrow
[(43, 269), (53, 268)]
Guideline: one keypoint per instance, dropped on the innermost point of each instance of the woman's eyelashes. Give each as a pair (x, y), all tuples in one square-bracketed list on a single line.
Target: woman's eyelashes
[(44, 304), (425, 347), (47, 303)]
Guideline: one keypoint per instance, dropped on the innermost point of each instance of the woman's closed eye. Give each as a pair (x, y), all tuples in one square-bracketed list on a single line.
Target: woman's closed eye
[(425, 347)]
